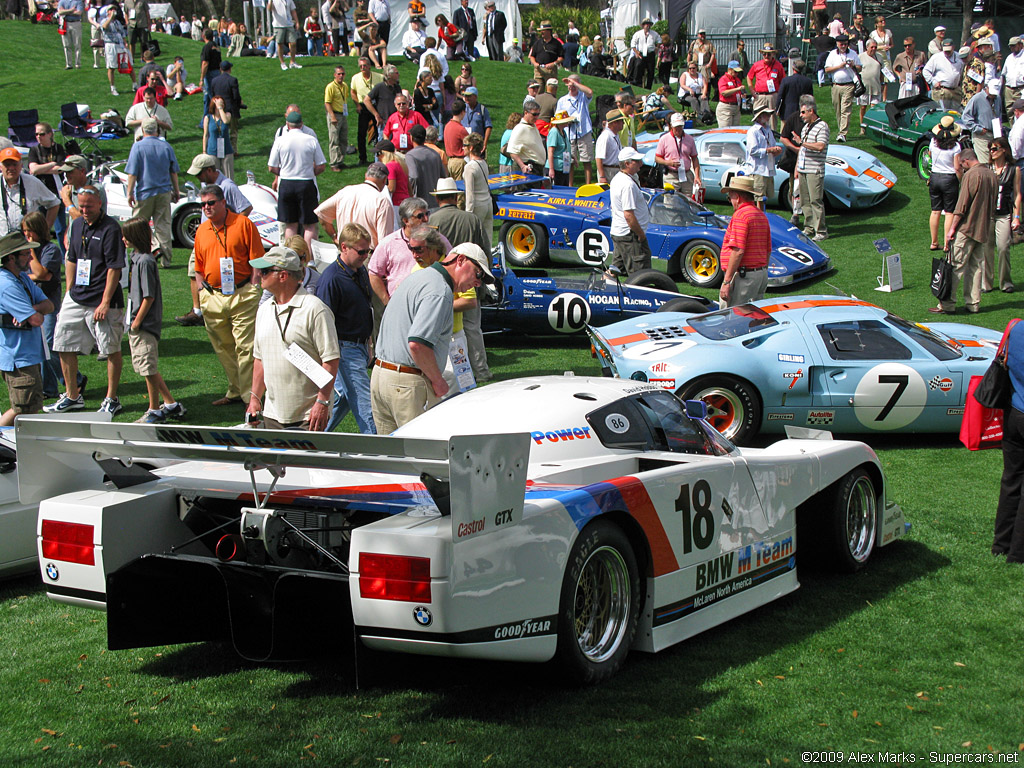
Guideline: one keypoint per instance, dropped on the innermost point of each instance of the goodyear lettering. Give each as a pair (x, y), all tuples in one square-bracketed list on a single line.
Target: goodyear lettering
[(575, 433), (530, 215), (505, 516), (524, 628), (715, 570), (467, 529), (762, 553)]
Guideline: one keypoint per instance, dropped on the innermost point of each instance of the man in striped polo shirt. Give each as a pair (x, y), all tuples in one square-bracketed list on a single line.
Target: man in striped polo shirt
[(810, 164)]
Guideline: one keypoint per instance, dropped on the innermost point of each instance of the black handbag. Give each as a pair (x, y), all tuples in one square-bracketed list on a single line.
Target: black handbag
[(942, 277), (858, 86), (995, 389)]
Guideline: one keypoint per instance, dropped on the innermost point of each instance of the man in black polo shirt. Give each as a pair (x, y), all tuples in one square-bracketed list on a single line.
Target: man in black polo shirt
[(345, 288), (547, 54), (93, 308), (381, 98)]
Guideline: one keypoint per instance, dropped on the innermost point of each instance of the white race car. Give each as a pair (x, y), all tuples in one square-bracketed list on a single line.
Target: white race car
[(589, 517), (186, 214)]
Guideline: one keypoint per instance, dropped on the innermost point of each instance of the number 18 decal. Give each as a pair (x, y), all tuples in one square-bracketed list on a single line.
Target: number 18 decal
[(889, 396), (698, 522)]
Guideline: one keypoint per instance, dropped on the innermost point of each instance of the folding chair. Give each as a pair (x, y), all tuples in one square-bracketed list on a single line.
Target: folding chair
[(22, 126), (73, 127)]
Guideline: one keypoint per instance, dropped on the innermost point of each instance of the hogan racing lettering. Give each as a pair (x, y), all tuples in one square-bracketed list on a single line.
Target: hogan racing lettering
[(575, 433)]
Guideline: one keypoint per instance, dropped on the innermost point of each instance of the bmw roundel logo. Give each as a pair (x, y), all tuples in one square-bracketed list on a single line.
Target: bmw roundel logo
[(422, 615), (51, 572)]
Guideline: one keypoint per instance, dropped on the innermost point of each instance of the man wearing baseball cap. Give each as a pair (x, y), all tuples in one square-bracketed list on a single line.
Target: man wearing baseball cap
[(942, 73), (22, 306), (935, 44), (630, 217), (1013, 72), (677, 154), (477, 119), (21, 193), (609, 147), (843, 65), (295, 350), (746, 246), (730, 92)]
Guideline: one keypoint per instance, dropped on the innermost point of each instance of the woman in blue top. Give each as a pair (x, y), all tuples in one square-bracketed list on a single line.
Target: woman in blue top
[(559, 151), (1009, 535), (505, 164), (217, 136)]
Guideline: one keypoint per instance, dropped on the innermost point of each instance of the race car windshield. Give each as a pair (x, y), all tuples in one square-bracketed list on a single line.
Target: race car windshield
[(934, 344), (732, 323), (678, 211)]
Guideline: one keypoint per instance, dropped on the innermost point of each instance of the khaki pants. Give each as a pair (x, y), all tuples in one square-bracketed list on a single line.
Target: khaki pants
[(337, 139), (980, 140), (542, 72), (727, 114), (1001, 243), (751, 287), (477, 352), (456, 166), (842, 102), (158, 208), (72, 41), (968, 259), (948, 98), (398, 398), (231, 325), (812, 201)]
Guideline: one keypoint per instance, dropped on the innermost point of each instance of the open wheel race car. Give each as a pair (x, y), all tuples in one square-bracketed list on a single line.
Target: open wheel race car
[(829, 362), (905, 125), (587, 517)]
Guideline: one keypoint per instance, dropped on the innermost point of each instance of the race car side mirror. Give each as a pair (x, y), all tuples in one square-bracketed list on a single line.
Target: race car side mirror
[(697, 409)]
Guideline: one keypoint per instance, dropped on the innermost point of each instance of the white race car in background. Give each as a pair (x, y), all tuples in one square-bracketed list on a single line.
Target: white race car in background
[(591, 516), (186, 214)]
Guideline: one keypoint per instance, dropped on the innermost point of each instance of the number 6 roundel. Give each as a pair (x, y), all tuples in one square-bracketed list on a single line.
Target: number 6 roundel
[(889, 396)]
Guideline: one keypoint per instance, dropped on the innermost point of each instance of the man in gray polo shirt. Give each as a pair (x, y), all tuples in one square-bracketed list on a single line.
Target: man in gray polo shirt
[(414, 339)]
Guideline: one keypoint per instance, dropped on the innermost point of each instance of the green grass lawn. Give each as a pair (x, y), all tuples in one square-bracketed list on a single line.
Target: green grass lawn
[(917, 654)]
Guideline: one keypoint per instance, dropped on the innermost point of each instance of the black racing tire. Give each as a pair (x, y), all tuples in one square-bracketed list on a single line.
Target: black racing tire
[(599, 609), (526, 245), (186, 221), (923, 159), (701, 263), (734, 408), (851, 526), (652, 278), (684, 304)]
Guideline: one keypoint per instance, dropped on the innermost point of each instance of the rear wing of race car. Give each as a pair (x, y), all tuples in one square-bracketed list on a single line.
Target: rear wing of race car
[(469, 477)]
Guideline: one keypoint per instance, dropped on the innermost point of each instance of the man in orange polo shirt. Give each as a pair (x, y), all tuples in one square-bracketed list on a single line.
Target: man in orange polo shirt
[(225, 243), (746, 247)]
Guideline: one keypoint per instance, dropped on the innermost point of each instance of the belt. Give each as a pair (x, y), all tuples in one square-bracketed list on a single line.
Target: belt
[(211, 289), (400, 368), (842, 84), (352, 339), (609, 165), (743, 270)]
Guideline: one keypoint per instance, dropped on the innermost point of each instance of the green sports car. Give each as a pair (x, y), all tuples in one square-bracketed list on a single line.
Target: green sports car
[(905, 125)]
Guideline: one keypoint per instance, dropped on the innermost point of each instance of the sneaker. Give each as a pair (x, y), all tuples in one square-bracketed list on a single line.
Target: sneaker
[(153, 416), (819, 238), (189, 320), (293, 65), (173, 410), (111, 405), (841, 139), (65, 404), (113, 91), (284, 67), (177, 97)]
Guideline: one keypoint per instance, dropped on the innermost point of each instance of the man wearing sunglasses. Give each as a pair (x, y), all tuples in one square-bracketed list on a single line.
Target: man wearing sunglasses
[(345, 288), (415, 336), (225, 244), (295, 354), (392, 259)]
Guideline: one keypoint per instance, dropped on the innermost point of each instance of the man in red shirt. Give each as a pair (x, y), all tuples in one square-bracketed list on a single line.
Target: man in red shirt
[(746, 247), (730, 91), (454, 133), (155, 82), (765, 79), (397, 126)]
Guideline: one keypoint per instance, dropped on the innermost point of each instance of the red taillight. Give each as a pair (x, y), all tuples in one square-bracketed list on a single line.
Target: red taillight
[(394, 577), (70, 542)]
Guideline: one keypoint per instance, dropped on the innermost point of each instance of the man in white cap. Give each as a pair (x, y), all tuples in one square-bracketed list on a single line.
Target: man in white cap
[(645, 45), (297, 159), (978, 116), (935, 44), (609, 147), (730, 93), (1013, 72), (942, 73), (843, 65), (630, 217), (295, 350), (762, 152), (745, 248), (415, 336), (677, 154)]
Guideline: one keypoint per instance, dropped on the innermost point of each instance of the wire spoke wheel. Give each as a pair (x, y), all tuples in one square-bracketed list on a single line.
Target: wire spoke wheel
[(860, 519), (602, 604)]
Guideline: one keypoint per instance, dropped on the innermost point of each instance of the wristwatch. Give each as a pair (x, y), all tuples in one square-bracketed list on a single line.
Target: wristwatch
[(324, 403)]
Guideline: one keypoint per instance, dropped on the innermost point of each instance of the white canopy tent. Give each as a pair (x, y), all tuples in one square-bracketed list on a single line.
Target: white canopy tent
[(400, 21)]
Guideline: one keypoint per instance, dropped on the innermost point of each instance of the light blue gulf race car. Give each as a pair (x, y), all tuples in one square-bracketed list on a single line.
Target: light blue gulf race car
[(854, 179), (572, 226), (828, 362)]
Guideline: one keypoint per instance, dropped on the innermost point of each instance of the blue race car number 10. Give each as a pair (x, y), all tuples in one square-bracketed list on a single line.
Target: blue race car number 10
[(568, 313)]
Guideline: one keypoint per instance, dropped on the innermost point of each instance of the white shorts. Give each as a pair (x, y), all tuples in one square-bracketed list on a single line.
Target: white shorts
[(583, 148), (110, 51), (78, 331)]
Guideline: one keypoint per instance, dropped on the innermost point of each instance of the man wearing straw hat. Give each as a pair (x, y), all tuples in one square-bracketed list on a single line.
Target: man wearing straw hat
[(765, 80), (546, 54), (762, 150), (746, 246), (677, 153)]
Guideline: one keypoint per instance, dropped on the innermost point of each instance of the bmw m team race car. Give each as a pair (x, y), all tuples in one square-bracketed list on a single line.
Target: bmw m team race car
[(905, 125), (828, 362), (539, 301), (590, 517), (186, 214), (854, 179), (570, 226)]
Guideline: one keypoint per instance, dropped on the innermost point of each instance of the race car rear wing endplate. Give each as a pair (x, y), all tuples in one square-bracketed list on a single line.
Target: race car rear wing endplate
[(473, 477)]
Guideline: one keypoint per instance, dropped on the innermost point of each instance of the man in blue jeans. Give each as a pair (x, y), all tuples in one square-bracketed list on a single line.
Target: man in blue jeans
[(345, 288)]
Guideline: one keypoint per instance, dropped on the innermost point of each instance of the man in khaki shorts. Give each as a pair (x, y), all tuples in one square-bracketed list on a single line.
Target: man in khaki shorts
[(762, 151)]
